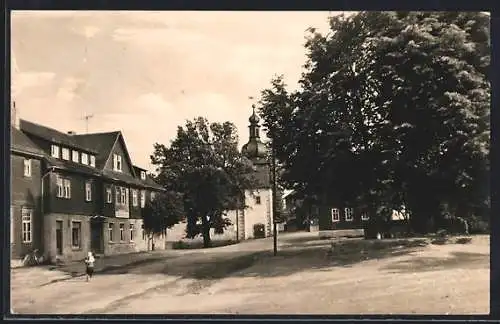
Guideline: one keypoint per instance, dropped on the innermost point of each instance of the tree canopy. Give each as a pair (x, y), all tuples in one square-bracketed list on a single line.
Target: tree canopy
[(393, 109), (204, 164), (162, 212)]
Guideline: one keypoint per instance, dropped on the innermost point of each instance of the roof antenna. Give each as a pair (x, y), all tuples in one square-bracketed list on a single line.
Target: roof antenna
[(87, 117)]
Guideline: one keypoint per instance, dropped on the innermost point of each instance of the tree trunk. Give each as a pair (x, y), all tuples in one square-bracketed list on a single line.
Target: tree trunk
[(206, 232)]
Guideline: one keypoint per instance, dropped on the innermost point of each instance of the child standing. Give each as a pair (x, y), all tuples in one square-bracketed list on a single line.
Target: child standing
[(89, 262)]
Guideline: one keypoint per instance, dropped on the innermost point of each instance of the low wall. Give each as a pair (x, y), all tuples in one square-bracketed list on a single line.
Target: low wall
[(341, 233)]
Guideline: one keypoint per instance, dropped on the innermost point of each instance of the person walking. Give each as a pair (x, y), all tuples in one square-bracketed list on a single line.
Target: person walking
[(89, 263)]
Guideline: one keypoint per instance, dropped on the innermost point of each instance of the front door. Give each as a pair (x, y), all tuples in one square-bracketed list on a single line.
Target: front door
[(96, 240), (59, 237)]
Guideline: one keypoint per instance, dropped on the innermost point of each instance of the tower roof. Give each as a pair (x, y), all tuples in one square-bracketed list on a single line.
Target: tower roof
[(255, 150)]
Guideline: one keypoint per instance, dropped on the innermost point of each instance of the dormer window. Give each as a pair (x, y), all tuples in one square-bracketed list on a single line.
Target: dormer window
[(92, 161), (76, 157), (85, 158), (143, 175), (65, 153), (54, 151), (117, 162)]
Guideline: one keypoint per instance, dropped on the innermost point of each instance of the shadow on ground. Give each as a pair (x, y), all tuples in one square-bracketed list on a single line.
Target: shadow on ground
[(318, 255), (457, 260)]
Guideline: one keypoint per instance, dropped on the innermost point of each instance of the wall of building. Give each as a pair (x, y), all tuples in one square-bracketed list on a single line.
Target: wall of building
[(120, 150), (25, 192), (77, 203), (69, 252), (258, 213)]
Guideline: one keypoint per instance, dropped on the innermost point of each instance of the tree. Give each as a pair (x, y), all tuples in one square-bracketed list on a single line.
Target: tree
[(204, 163), (408, 92), (163, 212)]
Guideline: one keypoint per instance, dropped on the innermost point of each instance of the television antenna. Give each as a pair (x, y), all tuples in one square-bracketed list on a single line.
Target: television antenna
[(87, 118)]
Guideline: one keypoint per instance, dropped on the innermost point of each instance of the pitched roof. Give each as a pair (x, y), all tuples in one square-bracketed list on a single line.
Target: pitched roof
[(52, 135), (20, 142), (100, 142), (71, 166)]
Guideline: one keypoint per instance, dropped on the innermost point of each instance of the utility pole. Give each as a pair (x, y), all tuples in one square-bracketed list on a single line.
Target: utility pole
[(273, 170)]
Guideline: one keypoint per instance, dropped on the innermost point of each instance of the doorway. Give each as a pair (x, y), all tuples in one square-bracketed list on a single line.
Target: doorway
[(59, 237), (96, 238)]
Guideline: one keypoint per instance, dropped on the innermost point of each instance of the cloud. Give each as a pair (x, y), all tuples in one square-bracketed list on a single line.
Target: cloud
[(70, 88), (22, 81)]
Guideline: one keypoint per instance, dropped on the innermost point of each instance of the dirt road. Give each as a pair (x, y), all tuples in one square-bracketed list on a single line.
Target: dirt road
[(303, 279)]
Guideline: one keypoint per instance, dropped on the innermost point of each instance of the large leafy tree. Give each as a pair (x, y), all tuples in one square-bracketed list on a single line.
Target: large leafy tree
[(393, 109), (163, 212), (204, 163)]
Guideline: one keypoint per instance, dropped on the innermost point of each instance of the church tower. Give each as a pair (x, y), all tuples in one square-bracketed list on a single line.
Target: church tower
[(259, 204)]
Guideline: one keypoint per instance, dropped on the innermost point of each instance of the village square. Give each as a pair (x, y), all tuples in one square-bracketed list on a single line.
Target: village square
[(146, 180)]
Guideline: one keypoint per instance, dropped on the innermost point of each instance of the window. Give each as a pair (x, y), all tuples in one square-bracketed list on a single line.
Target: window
[(125, 196), (92, 161), (110, 232), (335, 215), (153, 195), (134, 198), (109, 195), (122, 232), (131, 229), (349, 212), (143, 198), (88, 191), (85, 158), (143, 175), (76, 156), (65, 153), (54, 151), (27, 167), (117, 162), (60, 192), (257, 200), (76, 234), (143, 232), (364, 216), (118, 197), (67, 188), (26, 214)]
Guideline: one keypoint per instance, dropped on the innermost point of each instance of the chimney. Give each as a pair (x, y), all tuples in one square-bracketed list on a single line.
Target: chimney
[(71, 133), (14, 116)]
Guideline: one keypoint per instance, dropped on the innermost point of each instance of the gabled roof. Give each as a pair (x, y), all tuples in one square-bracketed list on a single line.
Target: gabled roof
[(71, 166), (52, 135), (149, 180), (101, 142), (20, 142)]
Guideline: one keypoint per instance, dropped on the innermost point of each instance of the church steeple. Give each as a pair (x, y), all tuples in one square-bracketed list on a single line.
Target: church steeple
[(255, 150)]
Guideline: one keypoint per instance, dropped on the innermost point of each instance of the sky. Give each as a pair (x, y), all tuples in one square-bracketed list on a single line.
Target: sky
[(145, 73)]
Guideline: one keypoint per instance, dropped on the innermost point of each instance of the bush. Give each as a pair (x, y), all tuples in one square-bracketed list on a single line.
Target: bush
[(478, 226), (463, 240), (180, 245), (259, 231)]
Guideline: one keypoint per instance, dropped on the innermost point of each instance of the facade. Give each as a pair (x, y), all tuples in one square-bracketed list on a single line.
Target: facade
[(258, 200), (83, 193)]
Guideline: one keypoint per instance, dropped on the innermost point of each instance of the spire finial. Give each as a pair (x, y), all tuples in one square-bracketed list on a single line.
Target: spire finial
[(253, 108)]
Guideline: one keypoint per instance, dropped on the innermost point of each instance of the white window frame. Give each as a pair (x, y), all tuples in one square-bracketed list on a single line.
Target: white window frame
[(335, 215), (85, 158), (143, 232), (60, 187), (27, 224), (117, 162), (134, 198), (152, 195), (349, 212), (131, 231), (27, 167), (79, 246), (67, 188), (92, 161), (109, 195), (110, 232), (54, 151), (75, 156), (65, 153), (143, 175), (121, 226), (143, 198), (118, 196), (365, 216), (88, 191)]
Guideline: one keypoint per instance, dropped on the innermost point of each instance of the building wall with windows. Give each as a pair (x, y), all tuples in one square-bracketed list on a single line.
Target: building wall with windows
[(26, 221)]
